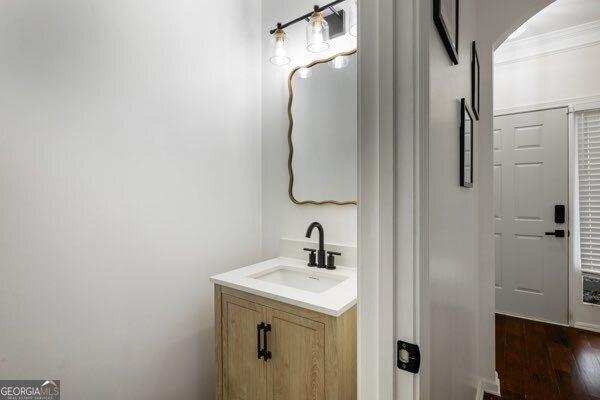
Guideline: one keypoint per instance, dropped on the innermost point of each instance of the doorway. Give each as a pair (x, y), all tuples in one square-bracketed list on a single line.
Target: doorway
[(530, 203), (543, 86)]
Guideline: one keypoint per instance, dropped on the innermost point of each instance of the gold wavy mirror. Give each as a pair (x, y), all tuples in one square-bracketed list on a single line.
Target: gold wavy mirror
[(323, 131)]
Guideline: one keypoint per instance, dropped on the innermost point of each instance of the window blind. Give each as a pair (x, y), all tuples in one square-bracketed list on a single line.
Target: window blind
[(588, 138)]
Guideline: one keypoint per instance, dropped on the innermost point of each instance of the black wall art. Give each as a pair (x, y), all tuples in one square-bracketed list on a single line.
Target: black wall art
[(466, 145), (475, 81), (445, 16)]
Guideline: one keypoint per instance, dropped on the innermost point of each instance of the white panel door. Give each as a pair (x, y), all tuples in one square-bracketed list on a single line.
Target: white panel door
[(530, 179)]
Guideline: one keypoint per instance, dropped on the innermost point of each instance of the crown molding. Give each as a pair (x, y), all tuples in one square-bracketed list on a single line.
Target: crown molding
[(556, 42), (572, 104)]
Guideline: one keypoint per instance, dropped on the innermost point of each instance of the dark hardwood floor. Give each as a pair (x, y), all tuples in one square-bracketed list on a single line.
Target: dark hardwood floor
[(547, 362)]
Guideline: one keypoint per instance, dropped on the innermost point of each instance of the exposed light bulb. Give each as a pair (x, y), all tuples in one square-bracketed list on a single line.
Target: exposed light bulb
[(279, 52), (305, 73), (353, 17), (317, 33), (340, 62)]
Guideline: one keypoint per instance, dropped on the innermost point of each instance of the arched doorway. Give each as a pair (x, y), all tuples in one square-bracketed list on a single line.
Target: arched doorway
[(545, 99)]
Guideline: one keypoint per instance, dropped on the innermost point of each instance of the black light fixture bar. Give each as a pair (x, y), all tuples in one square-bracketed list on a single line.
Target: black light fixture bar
[(333, 10), (306, 16)]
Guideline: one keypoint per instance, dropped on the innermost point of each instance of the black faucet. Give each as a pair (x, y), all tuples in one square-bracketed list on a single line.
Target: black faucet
[(321, 252)]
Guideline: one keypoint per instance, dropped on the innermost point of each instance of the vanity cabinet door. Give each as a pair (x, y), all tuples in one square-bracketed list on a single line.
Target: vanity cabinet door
[(244, 374), (297, 368)]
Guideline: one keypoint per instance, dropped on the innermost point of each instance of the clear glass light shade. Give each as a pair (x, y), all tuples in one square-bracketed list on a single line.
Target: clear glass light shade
[(353, 19), (339, 62), (279, 43), (305, 73), (317, 33)]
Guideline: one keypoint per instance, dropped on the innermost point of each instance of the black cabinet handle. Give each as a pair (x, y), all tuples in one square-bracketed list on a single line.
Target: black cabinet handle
[(259, 327), (559, 233), (266, 353)]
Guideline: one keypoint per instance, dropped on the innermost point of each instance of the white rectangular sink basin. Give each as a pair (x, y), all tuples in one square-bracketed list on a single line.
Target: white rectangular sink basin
[(291, 281), (311, 281)]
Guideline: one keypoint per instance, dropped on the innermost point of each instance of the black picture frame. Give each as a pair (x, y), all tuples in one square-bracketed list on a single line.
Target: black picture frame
[(466, 145), (475, 81), (446, 18)]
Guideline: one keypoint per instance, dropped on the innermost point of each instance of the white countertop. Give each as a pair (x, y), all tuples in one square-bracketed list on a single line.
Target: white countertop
[(334, 301)]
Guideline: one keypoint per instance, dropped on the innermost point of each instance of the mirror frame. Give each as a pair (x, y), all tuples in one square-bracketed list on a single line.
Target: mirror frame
[(291, 129)]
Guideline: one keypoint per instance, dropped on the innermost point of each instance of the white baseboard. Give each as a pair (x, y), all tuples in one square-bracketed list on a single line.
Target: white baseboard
[(587, 327), (488, 386), (579, 325), (480, 392), (530, 318)]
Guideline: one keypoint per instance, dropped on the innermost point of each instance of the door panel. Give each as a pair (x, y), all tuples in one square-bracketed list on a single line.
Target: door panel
[(498, 252), (497, 191), (297, 369), (529, 252), (528, 191), (530, 178), (528, 137), (244, 374)]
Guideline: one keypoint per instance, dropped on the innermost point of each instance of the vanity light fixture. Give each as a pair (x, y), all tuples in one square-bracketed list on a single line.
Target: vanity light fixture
[(305, 73), (340, 62), (317, 32), (353, 18), (279, 51)]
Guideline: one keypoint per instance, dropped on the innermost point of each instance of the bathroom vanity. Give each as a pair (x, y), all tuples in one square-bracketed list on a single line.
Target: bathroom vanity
[(285, 331)]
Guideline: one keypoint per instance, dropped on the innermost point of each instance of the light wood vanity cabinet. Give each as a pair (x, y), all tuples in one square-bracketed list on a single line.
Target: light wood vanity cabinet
[(313, 355)]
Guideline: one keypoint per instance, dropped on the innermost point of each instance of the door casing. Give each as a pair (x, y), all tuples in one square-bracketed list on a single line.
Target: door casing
[(393, 52)]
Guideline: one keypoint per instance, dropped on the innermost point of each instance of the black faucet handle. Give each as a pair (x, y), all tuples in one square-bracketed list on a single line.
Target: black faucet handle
[(312, 257), (331, 259)]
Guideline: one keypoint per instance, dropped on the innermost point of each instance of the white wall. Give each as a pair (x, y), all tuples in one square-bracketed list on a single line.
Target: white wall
[(453, 221), (281, 218), (129, 173), (459, 221), (540, 80), (559, 78)]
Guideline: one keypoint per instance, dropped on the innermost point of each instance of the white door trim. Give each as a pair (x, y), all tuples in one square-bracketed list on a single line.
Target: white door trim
[(422, 17), (573, 273), (393, 117), (376, 179)]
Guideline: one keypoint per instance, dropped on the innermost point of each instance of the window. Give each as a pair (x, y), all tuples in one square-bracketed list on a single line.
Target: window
[(591, 289), (588, 138)]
